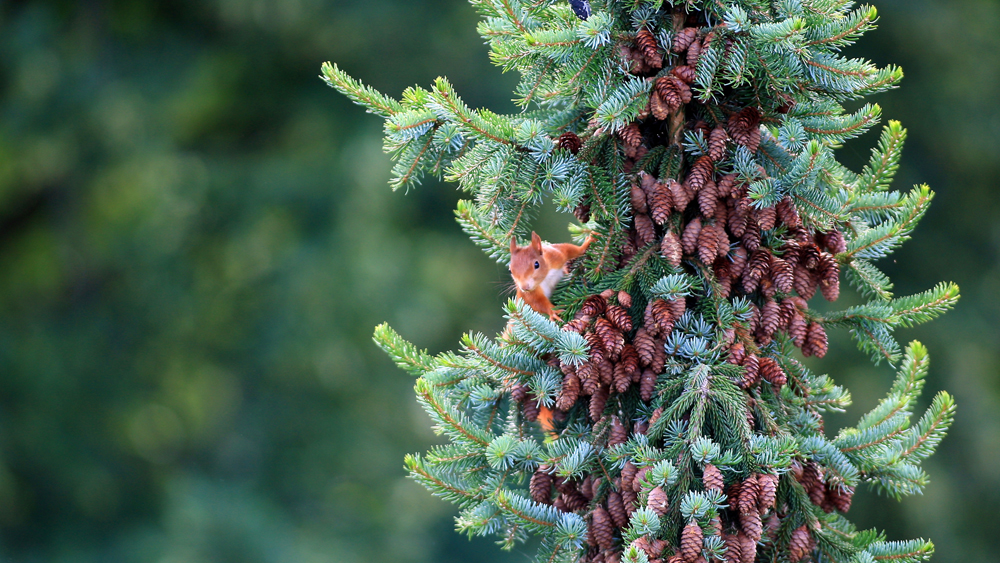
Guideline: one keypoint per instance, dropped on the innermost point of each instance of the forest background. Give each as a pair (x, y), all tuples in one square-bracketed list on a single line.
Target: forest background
[(197, 239)]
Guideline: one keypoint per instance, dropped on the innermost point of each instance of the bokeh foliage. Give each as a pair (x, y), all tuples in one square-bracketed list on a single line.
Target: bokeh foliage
[(196, 239)]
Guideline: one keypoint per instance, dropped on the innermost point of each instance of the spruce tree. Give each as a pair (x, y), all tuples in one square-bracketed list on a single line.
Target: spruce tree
[(695, 139)]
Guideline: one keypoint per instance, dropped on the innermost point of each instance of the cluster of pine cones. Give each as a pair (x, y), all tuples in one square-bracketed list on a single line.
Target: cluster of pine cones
[(707, 222)]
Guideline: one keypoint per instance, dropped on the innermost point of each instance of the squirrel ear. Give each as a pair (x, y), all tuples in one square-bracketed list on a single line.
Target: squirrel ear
[(536, 242), (513, 244)]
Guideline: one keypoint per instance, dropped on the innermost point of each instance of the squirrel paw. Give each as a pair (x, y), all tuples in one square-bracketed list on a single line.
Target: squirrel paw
[(554, 315)]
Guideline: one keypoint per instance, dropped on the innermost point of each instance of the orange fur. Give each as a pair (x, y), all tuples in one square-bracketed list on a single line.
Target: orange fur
[(535, 284)]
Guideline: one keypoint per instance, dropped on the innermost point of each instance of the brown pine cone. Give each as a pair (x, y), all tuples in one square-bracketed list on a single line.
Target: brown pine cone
[(644, 346), (619, 317), (737, 219), (816, 343), (663, 315), (732, 548), (602, 527), (597, 403), (659, 355), (683, 39), (812, 482), (519, 392), (630, 499), (758, 265), (798, 329), (628, 473), (569, 393), (658, 501), (770, 318), (772, 372), (655, 417), (751, 235), (605, 372), (529, 408), (694, 53), (649, 320), (711, 477), (683, 89), (619, 434), (569, 141), (669, 91), (737, 353), (640, 476), (717, 143), (708, 244), (765, 218), (748, 548), (630, 361), (571, 501), (660, 203), (638, 197), (768, 491), (783, 275), (722, 240), (540, 486), (624, 299), (578, 325), (810, 255), (616, 509), (689, 241), (787, 213), (798, 546), (589, 378), (749, 491), (594, 305), (829, 277), (597, 351), (647, 385), (622, 378), (611, 338), (751, 524), (708, 199), (841, 497), (679, 194), (631, 135), (752, 373), (739, 262), (677, 308), (670, 248), (685, 73), (658, 107), (701, 172), (650, 51), (726, 185), (691, 542), (744, 128), (805, 282)]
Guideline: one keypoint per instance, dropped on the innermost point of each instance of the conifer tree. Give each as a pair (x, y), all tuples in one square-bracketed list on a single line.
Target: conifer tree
[(695, 139)]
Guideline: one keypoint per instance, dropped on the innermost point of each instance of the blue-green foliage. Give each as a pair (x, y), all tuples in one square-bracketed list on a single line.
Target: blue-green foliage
[(571, 70)]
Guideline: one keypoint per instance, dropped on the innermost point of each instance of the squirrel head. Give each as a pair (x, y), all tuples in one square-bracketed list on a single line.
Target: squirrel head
[(527, 264)]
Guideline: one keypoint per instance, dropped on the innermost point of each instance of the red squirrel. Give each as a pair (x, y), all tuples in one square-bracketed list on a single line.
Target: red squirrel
[(538, 267)]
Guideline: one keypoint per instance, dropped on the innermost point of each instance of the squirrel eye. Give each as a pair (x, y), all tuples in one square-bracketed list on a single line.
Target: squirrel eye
[(536, 264)]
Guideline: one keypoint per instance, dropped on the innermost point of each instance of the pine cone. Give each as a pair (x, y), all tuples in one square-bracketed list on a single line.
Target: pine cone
[(569, 393), (798, 546), (659, 355), (770, 318), (708, 199), (611, 338), (570, 141), (622, 378), (540, 486), (630, 362), (758, 265), (829, 275), (619, 435), (624, 299), (739, 262), (768, 492), (647, 44), (519, 392), (691, 542), (598, 400), (631, 135), (670, 248), (812, 482), (529, 408), (708, 244), (619, 317), (685, 73), (805, 283), (712, 479), (751, 235), (683, 39), (638, 199), (749, 491), (752, 525), (752, 373), (571, 501), (640, 476), (737, 219), (605, 371), (787, 213), (677, 308), (717, 144), (726, 185), (689, 241), (683, 89), (643, 343), (649, 321), (628, 473), (744, 128), (655, 417), (578, 325), (601, 524), (732, 548), (616, 509), (647, 385), (841, 497), (765, 218), (680, 195), (701, 172), (816, 343), (658, 107), (737, 353), (772, 372), (660, 203), (594, 305), (783, 275), (798, 329), (694, 53), (658, 501), (670, 92), (748, 548), (722, 239), (589, 378)]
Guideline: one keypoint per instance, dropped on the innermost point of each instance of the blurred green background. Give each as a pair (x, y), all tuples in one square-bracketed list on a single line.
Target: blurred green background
[(197, 239)]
